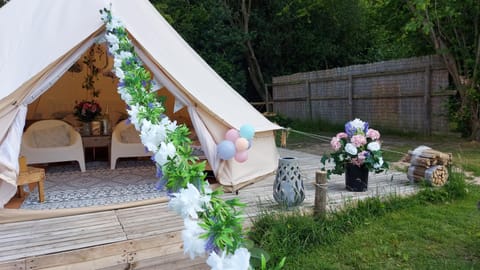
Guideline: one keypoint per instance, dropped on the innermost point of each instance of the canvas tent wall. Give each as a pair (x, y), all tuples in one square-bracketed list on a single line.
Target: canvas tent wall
[(41, 39)]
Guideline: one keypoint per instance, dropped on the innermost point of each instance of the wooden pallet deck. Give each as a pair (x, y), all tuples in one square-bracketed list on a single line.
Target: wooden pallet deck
[(149, 237)]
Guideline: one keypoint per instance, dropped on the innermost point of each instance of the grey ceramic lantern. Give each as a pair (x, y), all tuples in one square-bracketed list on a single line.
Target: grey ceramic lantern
[(288, 189)]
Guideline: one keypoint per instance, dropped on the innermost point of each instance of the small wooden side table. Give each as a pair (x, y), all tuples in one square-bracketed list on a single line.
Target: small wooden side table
[(29, 176), (94, 141)]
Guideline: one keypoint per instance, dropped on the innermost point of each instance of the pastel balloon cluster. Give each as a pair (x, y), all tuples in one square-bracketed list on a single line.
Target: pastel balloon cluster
[(236, 144)]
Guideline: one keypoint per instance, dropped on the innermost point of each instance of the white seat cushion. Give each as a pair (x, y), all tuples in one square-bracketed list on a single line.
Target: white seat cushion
[(130, 135), (51, 137)]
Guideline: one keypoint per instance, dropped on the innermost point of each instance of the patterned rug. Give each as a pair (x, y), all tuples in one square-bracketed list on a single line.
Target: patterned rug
[(67, 187)]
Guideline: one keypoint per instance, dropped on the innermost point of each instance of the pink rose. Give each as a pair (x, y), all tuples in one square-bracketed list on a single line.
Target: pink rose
[(373, 134), (335, 143), (342, 135), (358, 140)]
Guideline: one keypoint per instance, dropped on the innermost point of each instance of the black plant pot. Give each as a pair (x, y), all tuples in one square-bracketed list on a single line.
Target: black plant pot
[(356, 177)]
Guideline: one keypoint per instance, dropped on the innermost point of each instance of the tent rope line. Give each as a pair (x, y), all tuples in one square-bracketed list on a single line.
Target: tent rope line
[(327, 139)]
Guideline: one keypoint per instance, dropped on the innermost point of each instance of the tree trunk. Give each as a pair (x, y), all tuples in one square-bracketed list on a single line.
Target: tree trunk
[(240, 16), (461, 83), (254, 70)]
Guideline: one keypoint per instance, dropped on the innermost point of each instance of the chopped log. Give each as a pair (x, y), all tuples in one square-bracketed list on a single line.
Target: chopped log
[(441, 158), (436, 175), (421, 161), (426, 157)]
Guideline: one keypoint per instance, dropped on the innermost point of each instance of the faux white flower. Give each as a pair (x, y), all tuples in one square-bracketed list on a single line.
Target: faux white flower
[(188, 202), (121, 89), (351, 149), (117, 62), (164, 151), (120, 57), (112, 39), (124, 55), (113, 48), (379, 164), (240, 260), (115, 23), (119, 73), (133, 112), (152, 135), (215, 262), (357, 124), (192, 243), (169, 125), (373, 146), (126, 97)]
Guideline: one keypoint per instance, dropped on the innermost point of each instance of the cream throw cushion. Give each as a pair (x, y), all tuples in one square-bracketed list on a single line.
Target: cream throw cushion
[(130, 135), (51, 137)]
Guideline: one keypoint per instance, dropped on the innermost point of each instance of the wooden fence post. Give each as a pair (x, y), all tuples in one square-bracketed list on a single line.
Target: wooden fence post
[(309, 99), (320, 208), (350, 96), (427, 100)]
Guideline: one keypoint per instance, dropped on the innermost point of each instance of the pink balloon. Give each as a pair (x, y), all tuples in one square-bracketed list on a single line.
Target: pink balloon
[(241, 156), (241, 144), (232, 135)]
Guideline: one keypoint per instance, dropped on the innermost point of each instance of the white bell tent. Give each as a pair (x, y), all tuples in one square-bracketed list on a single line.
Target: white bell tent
[(41, 39)]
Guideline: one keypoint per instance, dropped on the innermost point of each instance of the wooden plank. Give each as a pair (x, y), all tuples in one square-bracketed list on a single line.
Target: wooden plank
[(172, 261), (151, 218), (154, 252), (156, 240), (116, 267), (155, 213), (175, 221), (60, 231), (7, 227), (54, 231), (13, 265), (66, 244), (69, 236), (112, 262), (150, 232), (145, 208), (110, 255), (80, 255)]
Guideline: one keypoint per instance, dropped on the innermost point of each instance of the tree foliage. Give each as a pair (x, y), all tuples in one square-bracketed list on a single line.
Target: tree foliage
[(453, 28), (248, 42), (282, 36), (206, 26), (387, 22)]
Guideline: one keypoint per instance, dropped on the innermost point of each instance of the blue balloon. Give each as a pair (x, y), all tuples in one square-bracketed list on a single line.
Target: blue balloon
[(247, 132), (226, 149)]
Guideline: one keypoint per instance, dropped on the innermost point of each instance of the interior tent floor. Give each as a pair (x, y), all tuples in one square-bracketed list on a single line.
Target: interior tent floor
[(134, 179)]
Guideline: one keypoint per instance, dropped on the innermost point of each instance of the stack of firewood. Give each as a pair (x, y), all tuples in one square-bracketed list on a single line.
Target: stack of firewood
[(429, 165)]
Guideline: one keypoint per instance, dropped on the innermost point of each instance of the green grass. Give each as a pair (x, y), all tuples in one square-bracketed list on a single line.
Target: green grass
[(439, 228)]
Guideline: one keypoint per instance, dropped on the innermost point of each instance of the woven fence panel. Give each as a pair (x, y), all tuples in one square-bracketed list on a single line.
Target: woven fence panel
[(405, 95)]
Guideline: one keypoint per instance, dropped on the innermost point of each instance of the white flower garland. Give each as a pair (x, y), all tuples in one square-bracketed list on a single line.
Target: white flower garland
[(160, 136)]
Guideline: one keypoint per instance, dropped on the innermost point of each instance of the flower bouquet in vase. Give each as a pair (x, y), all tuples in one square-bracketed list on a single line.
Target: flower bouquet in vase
[(86, 112), (356, 152)]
